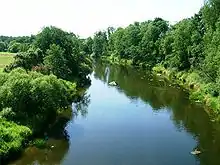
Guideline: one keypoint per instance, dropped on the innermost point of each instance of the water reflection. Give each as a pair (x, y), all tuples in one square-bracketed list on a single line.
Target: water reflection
[(58, 138), (160, 95), (81, 106)]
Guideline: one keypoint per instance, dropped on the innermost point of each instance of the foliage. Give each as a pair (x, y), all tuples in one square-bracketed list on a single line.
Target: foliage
[(33, 97), (27, 59), (40, 143), (58, 52), (2, 46), (99, 45), (14, 47), (15, 44), (12, 137)]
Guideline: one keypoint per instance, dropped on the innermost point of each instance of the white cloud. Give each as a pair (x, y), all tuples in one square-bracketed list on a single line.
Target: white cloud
[(84, 17)]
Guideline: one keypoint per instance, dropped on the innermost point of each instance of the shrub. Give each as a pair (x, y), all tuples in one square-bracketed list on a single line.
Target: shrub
[(34, 96), (12, 137)]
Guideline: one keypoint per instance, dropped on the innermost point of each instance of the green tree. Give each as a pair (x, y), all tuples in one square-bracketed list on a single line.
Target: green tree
[(61, 52), (14, 47), (27, 60), (2, 46), (212, 54), (99, 44), (56, 62), (211, 13)]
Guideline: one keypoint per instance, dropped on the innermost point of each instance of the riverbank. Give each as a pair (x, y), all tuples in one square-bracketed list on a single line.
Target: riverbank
[(124, 62), (30, 103), (199, 91), (116, 61)]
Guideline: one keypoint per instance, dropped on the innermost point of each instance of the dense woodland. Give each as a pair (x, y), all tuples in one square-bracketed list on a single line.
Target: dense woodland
[(49, 67)]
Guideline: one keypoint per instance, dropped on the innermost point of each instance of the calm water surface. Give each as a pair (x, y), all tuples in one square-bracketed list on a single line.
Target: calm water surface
[(144, 121)]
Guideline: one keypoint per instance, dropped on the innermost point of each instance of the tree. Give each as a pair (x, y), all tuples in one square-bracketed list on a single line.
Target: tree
[(14, 47), (56, 62), (99, 44), (212, 54), (116, 43), (2, 46), (52, 35), (59, 51), (27, 60), (86, 45), (211, 13)]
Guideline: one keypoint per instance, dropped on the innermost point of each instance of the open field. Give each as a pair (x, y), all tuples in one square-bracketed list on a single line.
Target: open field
[(5, 59)]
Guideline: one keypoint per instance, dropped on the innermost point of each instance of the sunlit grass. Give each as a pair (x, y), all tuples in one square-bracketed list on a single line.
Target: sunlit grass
[(6, 53), (5, 59)]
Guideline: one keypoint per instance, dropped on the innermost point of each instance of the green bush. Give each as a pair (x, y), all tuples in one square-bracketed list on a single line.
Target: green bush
[(12, 137), (34, 96)]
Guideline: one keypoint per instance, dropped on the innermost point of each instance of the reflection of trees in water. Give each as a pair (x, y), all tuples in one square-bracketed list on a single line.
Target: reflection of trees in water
[(107, 74), (58, 137), (160, 95), (49, 156), (81, 106)]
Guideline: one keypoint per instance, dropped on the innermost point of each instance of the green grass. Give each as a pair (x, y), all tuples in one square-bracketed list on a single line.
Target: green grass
[(6, 53), (5, 59)]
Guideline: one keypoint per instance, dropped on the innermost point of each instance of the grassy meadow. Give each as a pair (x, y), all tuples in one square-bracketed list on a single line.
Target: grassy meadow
[(5, 59)]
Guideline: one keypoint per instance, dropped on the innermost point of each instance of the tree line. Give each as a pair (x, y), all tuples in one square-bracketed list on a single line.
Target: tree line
[(191, 44), (15, 44)]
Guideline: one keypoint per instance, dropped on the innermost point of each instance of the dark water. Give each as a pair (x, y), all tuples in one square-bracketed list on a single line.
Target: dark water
[(144, 121)]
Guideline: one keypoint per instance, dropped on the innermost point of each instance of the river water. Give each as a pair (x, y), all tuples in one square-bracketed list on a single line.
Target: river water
[(143, 121)]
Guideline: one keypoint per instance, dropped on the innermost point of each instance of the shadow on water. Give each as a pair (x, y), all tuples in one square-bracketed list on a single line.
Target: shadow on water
[(81, 106), (161, 96), (58, 138)]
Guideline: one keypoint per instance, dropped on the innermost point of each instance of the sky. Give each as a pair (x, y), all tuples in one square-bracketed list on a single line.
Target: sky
[(85, 17)]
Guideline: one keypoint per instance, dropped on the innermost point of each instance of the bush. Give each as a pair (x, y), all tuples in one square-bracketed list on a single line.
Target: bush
[(12, 137), (33, 96)]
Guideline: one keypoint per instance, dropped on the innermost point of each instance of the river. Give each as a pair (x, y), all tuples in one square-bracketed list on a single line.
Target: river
[(143, 121)]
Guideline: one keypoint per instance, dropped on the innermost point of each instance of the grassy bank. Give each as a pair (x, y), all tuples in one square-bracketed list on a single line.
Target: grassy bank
[(199, 91)]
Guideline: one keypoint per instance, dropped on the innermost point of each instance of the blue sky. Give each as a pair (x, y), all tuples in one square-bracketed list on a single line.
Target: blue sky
[(84, 17)]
